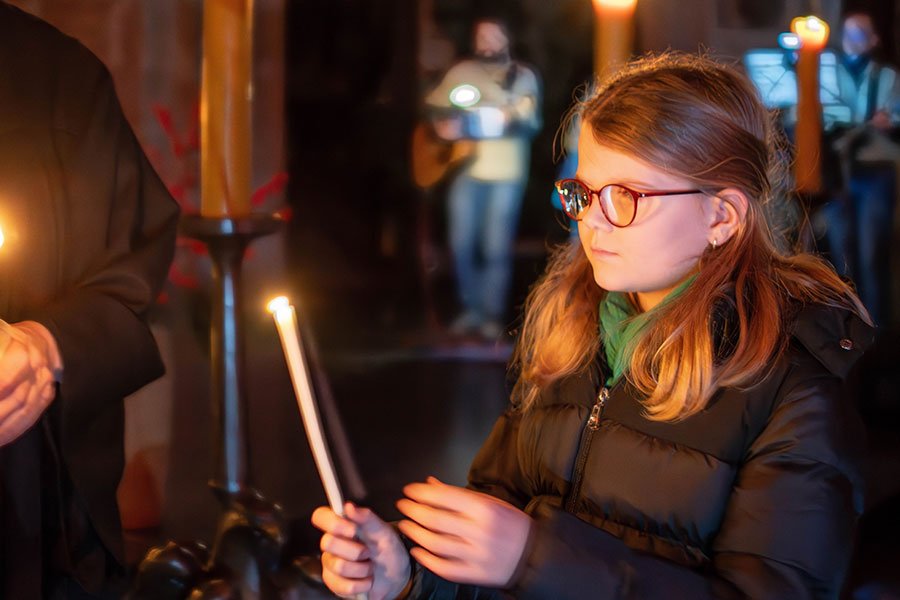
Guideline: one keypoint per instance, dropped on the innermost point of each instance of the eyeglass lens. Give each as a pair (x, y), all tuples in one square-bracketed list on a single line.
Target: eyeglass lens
[(617, 202)]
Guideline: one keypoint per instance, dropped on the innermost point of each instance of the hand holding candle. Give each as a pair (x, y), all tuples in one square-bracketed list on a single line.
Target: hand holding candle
[(362, 555)]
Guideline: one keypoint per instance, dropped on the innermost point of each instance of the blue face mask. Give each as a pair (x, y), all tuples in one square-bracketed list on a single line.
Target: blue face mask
[(856, 36), (858, 62)]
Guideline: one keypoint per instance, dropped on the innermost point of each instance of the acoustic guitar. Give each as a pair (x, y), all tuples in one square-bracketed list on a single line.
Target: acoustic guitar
[(434, 158)]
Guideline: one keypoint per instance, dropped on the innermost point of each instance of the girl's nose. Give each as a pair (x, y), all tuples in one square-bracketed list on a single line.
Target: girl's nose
[(594, 218)]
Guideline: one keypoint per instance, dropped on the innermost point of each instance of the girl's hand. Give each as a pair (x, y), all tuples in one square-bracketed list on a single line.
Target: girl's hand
[(361, 554), (465, 536)]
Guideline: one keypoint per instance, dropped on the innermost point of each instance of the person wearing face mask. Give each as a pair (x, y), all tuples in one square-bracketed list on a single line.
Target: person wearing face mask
[(492, 100), (859, 219), (679, 424)]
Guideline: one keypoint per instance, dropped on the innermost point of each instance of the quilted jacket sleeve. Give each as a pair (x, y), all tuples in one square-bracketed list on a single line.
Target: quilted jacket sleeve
[(496, 470)]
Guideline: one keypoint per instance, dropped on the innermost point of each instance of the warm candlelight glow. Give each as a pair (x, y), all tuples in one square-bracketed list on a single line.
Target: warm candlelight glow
[(613, 34), (2, 239), (813, 31), (615, 4)]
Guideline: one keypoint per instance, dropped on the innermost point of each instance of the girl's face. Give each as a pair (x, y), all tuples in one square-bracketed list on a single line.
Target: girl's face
[(663, 244)]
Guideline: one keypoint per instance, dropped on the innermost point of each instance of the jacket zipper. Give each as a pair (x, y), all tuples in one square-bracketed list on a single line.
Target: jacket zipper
[(587, 434)]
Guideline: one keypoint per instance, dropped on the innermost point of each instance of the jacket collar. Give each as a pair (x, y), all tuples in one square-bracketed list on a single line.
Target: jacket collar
[(836, 337)]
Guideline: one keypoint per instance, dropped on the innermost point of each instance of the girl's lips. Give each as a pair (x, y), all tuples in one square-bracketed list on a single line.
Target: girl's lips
[(602, 252)]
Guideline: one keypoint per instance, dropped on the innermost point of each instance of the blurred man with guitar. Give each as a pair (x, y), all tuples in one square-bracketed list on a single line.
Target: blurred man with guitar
[(483, 113)]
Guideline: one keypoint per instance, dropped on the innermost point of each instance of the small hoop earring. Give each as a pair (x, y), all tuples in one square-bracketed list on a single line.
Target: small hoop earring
[(715, 243)]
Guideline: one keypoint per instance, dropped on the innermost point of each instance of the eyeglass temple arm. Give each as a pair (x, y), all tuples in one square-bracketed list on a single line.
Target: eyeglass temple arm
[(674, 193)]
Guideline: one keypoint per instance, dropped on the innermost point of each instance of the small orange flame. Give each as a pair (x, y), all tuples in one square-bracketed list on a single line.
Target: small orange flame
[(812, 30)]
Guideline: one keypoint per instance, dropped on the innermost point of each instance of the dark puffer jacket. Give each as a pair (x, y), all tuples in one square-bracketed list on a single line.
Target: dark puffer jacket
[(756, 496)]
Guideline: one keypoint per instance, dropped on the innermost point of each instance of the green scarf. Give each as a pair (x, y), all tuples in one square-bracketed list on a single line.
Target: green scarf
[(621, 326)]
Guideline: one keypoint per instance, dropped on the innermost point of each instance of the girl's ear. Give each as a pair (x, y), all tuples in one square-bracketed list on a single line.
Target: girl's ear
[(727, 214)]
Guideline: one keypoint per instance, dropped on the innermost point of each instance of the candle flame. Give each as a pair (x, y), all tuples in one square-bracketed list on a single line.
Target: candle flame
[(2, 239), (815, 24), (812, 30), (281, 308), (279, 303)]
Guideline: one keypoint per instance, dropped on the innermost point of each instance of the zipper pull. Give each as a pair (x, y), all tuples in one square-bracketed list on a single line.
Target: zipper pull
[(597, 410)]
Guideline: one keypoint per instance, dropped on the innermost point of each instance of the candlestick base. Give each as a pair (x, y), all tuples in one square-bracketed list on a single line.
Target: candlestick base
[(247, 561)]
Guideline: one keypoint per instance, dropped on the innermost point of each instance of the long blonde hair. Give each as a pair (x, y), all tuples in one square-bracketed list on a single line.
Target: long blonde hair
[(703, 121)]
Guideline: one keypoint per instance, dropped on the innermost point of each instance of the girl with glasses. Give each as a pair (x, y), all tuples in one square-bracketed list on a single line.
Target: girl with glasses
[(679, 427)]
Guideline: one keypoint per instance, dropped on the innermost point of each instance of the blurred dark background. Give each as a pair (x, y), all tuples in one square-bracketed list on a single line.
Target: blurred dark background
[(338, 88)]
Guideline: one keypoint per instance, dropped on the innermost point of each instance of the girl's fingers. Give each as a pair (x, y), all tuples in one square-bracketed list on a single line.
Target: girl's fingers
[(348, 569), (345, 587), (344, 548), (447, 497), (369, 525), (449, 546), (437, 519), (453, 570), (325, 519)]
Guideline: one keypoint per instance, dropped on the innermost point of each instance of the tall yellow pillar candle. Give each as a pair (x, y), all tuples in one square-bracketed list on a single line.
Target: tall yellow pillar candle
[(225, 104), (613, 34), (813, 34)]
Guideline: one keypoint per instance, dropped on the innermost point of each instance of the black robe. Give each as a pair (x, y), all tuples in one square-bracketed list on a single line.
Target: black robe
[(90, 233)]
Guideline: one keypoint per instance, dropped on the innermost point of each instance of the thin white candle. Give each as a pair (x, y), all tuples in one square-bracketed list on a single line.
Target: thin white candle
[(286, 322)]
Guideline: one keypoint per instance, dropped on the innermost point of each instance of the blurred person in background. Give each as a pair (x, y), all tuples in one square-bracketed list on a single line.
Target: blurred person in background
[(89, 235), (860, 218), (679, 424), (493, 101)]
